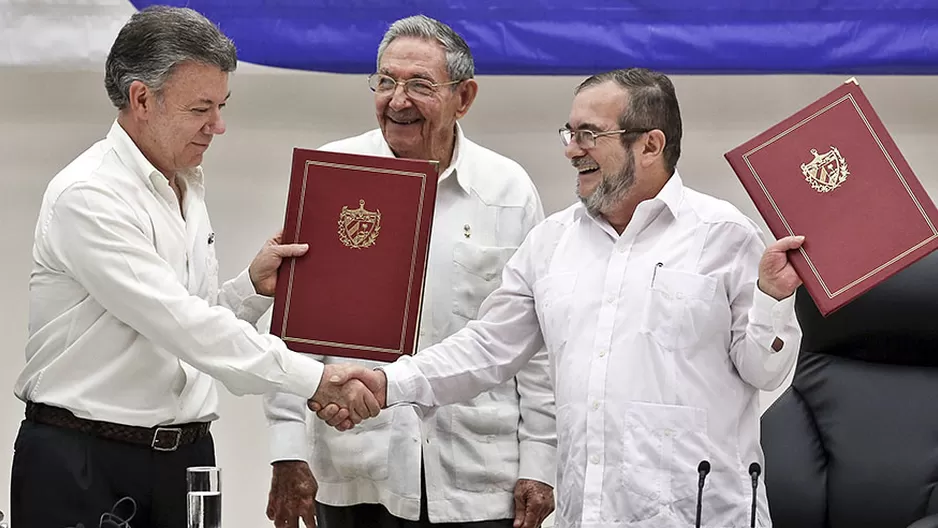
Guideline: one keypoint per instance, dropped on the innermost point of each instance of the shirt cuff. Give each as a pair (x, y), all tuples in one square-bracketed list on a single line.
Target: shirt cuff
[(252, 305), (537, 462), (303, 374), (288, 441), (769, 311), (401, 382)]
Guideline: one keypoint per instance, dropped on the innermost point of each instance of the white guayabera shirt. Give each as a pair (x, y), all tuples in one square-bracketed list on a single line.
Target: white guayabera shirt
[(659, 342), (474, 452)]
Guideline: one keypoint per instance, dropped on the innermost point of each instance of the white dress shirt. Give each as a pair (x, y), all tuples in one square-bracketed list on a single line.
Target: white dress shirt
[(127, 323), (659, 342), (474, 452)]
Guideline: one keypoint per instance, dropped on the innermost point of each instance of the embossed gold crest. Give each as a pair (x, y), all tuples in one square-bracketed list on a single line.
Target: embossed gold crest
[(826, 171), (358, 228)]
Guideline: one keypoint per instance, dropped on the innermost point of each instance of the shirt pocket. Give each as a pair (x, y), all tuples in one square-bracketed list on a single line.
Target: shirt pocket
[(553, 297), (360, 453), (678, 308), (661, 448), (477, 272), (483, 442)]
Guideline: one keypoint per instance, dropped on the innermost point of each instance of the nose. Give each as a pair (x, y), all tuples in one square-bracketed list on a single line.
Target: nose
[(573, 150), (399, 99), (216, 124)]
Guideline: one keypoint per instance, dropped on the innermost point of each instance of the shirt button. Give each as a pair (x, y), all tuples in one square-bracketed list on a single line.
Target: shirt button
[(594, 459), (680, 295), (595, 405), (610, 299), (602, 353)]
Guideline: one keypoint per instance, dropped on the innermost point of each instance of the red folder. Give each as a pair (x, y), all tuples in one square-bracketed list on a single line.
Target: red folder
[(832, 173), (358, 291)]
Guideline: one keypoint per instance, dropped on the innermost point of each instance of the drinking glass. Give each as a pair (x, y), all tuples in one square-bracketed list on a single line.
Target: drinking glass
[(204, 497)]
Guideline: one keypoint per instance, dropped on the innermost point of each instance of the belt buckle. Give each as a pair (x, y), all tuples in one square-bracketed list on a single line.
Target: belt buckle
[(157, 443)]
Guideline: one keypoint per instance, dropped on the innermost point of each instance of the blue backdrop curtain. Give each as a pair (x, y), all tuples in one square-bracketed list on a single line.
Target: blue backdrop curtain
[(556, 37)]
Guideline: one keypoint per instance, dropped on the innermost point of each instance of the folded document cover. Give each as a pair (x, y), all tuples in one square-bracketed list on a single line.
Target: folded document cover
[(358, 291), (832, 173)]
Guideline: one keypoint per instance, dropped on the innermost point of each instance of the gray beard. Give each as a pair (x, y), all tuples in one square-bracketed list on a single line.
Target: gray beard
[(610, 190)]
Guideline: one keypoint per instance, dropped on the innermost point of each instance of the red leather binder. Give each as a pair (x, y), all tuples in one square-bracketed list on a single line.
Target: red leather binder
[(358, 291), (832, 173)]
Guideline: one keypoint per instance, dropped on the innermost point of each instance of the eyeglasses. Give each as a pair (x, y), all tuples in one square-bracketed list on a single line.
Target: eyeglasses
[(415, 88), (586, 139)]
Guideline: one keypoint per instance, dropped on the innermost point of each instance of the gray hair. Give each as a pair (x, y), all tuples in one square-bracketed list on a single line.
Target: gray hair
[(157, 39), (652, 105), (459, 63)]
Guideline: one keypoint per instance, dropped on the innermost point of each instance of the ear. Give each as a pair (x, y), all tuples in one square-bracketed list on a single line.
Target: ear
[(652, 148), (142, 100), (466, 92)]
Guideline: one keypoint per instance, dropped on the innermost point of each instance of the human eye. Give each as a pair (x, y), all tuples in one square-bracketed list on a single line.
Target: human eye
[(385, 83), (420, 86), (584, 136)]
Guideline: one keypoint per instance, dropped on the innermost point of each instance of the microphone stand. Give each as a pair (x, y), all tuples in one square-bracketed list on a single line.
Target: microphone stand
[(702, 470), (754, 471)]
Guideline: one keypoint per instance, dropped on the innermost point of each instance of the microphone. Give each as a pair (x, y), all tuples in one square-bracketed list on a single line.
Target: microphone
[(702, 470), (754, 471)]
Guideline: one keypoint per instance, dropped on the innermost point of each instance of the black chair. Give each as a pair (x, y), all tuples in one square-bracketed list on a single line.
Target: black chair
[(853, 443)]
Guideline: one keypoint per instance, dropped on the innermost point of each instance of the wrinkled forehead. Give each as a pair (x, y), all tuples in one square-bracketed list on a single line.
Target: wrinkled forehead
[(411, 57), (598, 107)]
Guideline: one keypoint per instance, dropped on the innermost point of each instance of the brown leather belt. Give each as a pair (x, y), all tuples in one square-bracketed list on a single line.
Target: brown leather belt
[(164, 438)]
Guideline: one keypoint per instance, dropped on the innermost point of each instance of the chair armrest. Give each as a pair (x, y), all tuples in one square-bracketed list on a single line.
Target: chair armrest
[(926, 522)]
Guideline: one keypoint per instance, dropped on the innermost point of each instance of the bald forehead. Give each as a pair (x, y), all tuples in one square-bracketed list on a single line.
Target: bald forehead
[(599, 107)]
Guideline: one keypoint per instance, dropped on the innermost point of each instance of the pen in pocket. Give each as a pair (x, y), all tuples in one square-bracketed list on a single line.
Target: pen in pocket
[(654, 273)]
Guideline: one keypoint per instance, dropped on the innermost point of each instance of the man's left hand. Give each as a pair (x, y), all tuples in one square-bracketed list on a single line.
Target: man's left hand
[(534, 501), (266, 264), (777, 277)]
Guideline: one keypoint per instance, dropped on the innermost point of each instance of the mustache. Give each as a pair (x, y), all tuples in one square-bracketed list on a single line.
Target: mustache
[(584, 161)]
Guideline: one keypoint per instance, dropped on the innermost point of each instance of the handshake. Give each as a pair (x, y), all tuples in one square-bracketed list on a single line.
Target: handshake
[(349, 394)]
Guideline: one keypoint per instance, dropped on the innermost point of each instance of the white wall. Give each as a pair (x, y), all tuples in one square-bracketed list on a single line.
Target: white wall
[(47, 118)]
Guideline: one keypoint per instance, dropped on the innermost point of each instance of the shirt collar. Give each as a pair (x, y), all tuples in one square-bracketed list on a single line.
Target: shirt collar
[(130, 154), (670, 196), (671, 193), (457, 167)]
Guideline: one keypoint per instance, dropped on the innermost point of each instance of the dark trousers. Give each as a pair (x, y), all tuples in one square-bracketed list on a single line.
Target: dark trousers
[(62, 478), (377, 516)]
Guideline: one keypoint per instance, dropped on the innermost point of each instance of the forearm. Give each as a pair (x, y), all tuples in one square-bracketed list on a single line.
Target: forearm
[(537, 430), (239, 296), (769, 349)]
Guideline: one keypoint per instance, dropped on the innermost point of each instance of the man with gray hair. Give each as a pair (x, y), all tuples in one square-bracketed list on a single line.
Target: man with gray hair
[(127, 323), (486, 463)]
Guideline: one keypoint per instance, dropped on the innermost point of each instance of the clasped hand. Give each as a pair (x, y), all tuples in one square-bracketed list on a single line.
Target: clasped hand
[(349, 394)]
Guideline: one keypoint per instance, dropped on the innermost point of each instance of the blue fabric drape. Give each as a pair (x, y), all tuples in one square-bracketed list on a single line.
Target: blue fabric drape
[(556, 37)]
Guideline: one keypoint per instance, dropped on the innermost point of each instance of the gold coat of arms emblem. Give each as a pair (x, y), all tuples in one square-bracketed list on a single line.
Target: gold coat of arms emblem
[(358, 228), (826, 171)]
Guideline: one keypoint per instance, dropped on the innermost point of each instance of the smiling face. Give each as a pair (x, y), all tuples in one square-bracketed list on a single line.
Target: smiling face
[(606, 171), (177, 125), (421, 127)]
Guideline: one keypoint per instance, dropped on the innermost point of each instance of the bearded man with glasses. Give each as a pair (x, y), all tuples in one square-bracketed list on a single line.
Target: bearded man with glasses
[(485, 463), (664, 313)]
